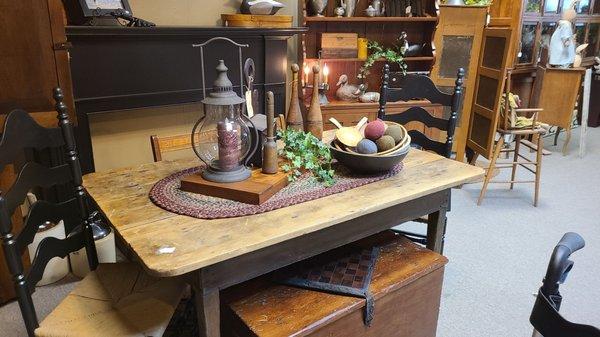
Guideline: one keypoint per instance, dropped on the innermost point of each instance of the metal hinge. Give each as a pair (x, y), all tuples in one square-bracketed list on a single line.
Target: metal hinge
[(62, 46)]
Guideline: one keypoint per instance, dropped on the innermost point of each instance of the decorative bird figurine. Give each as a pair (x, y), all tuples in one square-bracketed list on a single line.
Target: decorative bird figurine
[(367, 97), (260, 7), (346, 92)]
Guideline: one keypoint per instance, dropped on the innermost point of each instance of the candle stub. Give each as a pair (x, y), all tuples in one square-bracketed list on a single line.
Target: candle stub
[(229, 145)]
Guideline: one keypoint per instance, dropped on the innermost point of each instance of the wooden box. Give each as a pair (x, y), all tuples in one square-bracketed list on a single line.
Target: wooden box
[(406, 285), (257, 21), (338, 45)]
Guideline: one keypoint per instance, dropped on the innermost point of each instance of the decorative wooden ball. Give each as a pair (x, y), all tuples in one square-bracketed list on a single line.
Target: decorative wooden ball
[(385, 143), (366, 146), (395, 132), (375, 130)]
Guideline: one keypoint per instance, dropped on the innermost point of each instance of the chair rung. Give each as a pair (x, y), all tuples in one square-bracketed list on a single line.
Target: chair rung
[(523, 157), (513, 182), (528, 169)]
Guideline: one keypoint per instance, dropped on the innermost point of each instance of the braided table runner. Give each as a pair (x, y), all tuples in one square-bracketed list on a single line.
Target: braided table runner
[(167, 195)]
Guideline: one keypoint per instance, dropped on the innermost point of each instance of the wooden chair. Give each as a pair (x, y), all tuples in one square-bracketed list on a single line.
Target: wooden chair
[(505, 130), (398, 87), (169, 144), (114, 299)]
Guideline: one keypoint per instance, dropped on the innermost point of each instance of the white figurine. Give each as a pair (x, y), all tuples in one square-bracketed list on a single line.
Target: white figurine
[(562, 43)]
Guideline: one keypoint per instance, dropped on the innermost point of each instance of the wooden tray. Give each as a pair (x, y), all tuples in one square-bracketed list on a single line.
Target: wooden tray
[(256, 190), (262, 21)]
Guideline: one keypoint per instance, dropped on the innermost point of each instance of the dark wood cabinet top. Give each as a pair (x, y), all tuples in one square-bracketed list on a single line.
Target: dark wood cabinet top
[(73, 31)]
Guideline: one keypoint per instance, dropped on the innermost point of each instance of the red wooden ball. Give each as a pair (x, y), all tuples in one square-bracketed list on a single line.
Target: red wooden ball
[(375, 130)]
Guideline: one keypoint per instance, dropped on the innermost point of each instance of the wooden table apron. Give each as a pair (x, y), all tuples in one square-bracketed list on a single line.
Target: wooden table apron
[(217, 258)]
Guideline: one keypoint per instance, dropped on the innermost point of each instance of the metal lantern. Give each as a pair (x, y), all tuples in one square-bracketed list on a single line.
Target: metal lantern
[(222, 138)]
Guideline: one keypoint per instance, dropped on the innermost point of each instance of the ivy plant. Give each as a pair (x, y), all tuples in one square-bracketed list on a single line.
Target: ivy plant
[(304, 151), (377, 51)]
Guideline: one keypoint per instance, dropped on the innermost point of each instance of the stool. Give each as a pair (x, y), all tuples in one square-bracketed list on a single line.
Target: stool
[(406, 286)]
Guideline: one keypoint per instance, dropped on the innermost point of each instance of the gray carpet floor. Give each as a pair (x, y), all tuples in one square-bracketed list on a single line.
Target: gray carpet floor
[(498, 252)]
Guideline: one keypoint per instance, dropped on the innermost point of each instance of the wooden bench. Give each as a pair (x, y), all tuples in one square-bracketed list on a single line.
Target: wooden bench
[(406, 285)]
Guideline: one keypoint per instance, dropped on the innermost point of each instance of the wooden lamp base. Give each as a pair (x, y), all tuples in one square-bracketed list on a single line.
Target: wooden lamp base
[(256, 190)]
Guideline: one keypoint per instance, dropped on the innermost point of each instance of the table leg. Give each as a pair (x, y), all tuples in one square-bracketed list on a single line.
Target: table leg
[(208, 308), (436, 230)]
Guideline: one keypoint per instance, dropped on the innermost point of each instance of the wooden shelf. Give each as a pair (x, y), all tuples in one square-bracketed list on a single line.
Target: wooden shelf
[(407, 59), (369, 19)]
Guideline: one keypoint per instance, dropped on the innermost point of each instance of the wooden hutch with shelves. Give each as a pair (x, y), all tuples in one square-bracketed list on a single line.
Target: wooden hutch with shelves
[(533, 23), (383, 29)]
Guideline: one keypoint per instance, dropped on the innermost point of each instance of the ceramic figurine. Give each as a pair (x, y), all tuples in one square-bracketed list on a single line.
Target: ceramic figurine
[(346, 92), (318, 7), (579, 56), (339, 12), (294, 116), (370, 12), (379, 7), (597, 65), (562, 42), (367, 97), (349, 6), (260, 7), (314, 118)]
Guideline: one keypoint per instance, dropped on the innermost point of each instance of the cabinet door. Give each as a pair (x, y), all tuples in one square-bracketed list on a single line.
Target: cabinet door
[(528, 44), (488, 90), (34, 59)]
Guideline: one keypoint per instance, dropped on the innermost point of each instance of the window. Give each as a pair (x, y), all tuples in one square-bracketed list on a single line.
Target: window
[(582, 7), (551, 6), (533, 6), (592, 38), (527, 43)]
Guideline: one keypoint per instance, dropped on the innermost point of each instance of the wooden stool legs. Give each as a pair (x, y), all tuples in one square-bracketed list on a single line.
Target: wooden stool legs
[(515, 160), (524, 162), (538, 169), (490, 172)]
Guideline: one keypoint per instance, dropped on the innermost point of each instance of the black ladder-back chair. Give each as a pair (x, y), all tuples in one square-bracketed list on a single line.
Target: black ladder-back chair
[(399, 87), (22, 133)]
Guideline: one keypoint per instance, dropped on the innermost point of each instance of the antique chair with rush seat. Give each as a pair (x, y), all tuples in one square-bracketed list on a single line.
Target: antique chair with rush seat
[(398, 87), (114, 299)]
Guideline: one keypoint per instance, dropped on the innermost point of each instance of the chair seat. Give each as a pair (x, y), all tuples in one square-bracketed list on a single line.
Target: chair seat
[(117, 299), (523, 131)]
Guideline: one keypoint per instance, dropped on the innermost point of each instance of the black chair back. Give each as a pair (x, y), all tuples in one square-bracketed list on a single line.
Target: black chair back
[(22, 134), (409, 87)]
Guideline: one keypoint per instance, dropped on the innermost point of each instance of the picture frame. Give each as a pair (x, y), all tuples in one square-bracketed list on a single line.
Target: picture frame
[(81, 12)]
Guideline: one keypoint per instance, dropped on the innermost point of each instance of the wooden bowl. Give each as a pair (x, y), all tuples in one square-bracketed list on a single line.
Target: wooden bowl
[(361, 163), (398, 148)]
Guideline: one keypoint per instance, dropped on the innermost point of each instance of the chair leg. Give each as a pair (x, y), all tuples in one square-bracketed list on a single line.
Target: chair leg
[(565, 150), (538, 169), (556, 135), (490, 171), (515, 160)]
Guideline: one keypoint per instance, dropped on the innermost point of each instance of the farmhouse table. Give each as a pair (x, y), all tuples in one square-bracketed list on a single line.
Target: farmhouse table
[(216, 254)]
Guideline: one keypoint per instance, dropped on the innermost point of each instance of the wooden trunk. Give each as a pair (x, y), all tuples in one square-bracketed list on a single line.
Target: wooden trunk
[(407, 285)]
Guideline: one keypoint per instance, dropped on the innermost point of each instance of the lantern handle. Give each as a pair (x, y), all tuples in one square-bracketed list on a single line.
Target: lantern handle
[(220, 38), (256, 135)]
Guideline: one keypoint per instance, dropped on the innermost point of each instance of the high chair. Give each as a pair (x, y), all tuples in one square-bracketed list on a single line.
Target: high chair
[(508, 128)]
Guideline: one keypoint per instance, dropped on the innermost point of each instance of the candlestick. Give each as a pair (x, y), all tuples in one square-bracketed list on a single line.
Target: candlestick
[(326, 73), (306, 72)]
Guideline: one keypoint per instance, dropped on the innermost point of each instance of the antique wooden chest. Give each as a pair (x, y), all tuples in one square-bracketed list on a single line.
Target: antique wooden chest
[(406, 286)]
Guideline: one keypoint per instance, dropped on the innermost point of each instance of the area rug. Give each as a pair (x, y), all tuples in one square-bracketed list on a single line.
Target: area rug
[(167, 194)]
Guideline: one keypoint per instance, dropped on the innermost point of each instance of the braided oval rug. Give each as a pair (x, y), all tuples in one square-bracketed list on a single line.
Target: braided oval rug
[(167, 195)]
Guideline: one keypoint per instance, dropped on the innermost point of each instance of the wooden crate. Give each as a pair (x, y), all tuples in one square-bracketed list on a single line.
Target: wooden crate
[(260, 21), (339, 45), (406, 285)]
